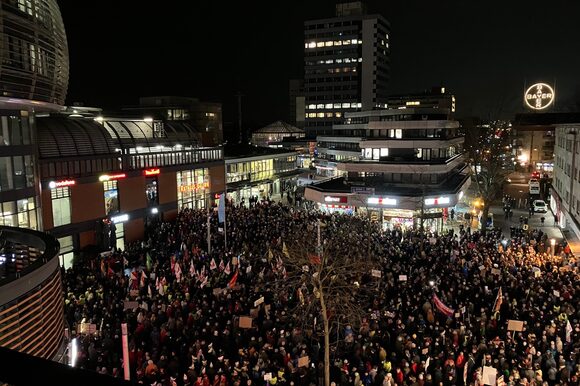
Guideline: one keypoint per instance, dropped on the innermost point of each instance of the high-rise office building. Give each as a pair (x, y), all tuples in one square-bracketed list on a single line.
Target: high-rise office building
[(296, 113), (346, 66)]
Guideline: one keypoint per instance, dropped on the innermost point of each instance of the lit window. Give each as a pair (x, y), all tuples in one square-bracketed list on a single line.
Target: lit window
[(338, 43), (419, 153), (337, 115), (305, 45), (382, 42), (328, 105), (320, 44), (320, 115), (328, 115), (359, 105), (320, 106), (359, 60), (337, 105), (387, 36), (346, 105), (359, 41), (328, 44), (345, 42), (311, 107), (338, 60), (368, 153), (329, 61), (61, 208), (347, 60), (311, 44), (384, 152), (398, 133), (311, 115), (354, 41)]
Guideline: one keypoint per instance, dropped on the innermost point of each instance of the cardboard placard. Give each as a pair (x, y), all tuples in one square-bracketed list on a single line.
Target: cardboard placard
[(267, 376), (259, 301), (402, 277), (495, 271), (245, 322), (537, 273), (376, 273), (515, 325), (489, 375), (303, 361), (557, 293), (130, 305), (425, 351)]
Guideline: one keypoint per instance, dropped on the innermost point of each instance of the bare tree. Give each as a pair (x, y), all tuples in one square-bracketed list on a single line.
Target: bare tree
[(488, 164), (332, 282)]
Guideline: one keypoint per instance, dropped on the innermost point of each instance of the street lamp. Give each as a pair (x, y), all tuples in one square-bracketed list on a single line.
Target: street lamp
[(553, 243)]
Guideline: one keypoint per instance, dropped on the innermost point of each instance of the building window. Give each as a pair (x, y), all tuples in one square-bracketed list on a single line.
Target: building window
[(66, 252), (111, 193), (61, 210)]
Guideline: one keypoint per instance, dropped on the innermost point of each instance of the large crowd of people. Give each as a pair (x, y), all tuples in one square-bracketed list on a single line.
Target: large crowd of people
[(445, 323)]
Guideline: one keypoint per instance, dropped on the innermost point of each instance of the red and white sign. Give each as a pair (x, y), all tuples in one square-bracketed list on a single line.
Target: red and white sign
[(109, 177), (193, 187), (61, 184), (437, 201), (336, 199), (152, 172)]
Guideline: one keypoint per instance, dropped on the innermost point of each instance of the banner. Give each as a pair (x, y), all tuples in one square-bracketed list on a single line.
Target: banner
[(442, 307)]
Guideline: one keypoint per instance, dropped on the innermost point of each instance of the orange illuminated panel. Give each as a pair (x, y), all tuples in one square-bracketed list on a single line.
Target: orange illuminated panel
[(109, 177), (152, 172), (193, 187)]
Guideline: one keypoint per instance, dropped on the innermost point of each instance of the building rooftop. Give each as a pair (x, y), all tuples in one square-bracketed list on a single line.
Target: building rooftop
[(341, 185), (546, 118), (279, 127)]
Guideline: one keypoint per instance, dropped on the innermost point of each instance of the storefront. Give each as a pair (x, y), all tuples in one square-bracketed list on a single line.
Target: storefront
[(193, 188)]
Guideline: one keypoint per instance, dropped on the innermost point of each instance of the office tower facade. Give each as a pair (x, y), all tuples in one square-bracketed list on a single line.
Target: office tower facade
[(346, 66)]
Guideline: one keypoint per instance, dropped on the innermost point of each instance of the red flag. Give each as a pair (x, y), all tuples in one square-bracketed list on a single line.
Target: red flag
[(143, 278), (212, 264), (442, 307), (234, 279), (178, 272), (222, 265), (314, 259), (110, 272), (227, 269), (173, 263)]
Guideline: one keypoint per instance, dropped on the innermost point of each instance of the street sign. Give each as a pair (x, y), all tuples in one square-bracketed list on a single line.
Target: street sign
[(362, 190)]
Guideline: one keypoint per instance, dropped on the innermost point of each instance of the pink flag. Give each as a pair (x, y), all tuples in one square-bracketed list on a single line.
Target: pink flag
[(212, 264), (442, 307), (222, 266), (227, 269), (178, 272)]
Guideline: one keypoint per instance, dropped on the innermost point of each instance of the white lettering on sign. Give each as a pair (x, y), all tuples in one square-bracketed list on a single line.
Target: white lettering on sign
[(539, 96)]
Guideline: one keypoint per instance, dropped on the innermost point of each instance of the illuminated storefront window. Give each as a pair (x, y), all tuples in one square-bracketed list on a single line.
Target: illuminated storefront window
[(111, 193), (61, 212), (192, 188)]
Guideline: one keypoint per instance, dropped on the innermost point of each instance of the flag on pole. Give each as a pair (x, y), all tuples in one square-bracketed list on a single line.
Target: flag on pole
[(222, 265), (212, 264), (270, 255), (285, 250), (143, 278), (173, 263), (427, 363), (178, 272), (149, 292), (227, 269), (498, 301), (191, 269), (568, 332), (234, 279), (222, 208)]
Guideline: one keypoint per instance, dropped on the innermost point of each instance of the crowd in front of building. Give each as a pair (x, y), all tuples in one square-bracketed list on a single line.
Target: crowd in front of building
[(445, 324)]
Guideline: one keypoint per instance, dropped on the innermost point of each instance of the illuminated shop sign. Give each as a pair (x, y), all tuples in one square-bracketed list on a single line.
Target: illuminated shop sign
[(338, 199), (109, 177), (61, 184), (437, 201), (539, 96), (381, 201), (152, 172), (119, 218), (193, 187)]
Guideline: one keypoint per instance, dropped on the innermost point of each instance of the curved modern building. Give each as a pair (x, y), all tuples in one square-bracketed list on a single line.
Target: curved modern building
[(31, 311), (34, 52), (33, 78)]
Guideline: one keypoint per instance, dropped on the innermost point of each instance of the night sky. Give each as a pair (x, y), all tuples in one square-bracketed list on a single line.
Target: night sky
[(482, 51)]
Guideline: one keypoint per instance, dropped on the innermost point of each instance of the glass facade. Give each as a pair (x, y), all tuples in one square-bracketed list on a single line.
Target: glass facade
[(22, 213), (253, 171), (66, 252), (192, 188)]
